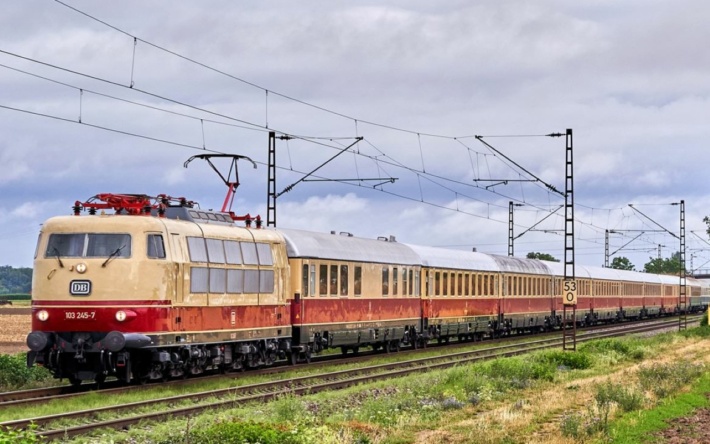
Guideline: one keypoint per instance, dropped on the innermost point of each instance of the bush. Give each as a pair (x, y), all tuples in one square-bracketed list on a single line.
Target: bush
[(627, 398), (235, 432), (15, 374), (9, 436), (578, 360), (665, 379), (606, 345), (518, 369)]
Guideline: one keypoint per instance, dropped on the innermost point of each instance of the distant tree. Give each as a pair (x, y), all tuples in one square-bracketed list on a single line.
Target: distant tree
[(670, 265), (622, 263), (542, 256), (15, 280)]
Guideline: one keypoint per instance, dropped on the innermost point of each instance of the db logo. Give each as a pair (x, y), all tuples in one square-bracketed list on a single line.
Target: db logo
[(80, 288)]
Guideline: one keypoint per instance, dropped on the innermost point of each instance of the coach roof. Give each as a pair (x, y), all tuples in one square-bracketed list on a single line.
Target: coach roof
[(456, 259), (345, 247)]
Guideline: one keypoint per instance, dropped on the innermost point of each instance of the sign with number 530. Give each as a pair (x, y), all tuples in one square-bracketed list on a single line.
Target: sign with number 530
[(569, 292)]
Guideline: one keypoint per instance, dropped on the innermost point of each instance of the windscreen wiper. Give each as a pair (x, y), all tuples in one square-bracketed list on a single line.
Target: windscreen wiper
[(55, 249), (112, 255)]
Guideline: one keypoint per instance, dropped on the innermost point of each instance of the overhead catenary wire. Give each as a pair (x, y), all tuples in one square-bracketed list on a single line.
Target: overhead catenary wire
[(251, 125)]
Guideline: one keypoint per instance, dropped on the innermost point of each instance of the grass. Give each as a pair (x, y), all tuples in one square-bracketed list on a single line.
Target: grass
[(548, 396), (639, 426)]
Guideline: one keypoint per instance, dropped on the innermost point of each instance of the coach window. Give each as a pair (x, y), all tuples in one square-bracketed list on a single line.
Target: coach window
[(467, 284), (156, 247), (249, 253), (358, 281), (343, 280), (323, 280), (199, 279), (511, 285), (404, 282), (437, 281), (235, 281), (218, 280), (233, 253), (385, 280), (445, 284), (251, 281), (416, 283), (215, 251), (264, 252), (395, 274), (266, 281), (313, 280), (333, 280), (196, 247), (304, 290), (411, 282)]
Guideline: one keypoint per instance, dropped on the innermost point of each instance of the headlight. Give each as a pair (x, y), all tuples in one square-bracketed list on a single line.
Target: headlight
[(81, 268), (121, 316), (42, 315)]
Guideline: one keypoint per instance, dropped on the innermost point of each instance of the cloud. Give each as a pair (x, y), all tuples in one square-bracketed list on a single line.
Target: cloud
[(629, 78)]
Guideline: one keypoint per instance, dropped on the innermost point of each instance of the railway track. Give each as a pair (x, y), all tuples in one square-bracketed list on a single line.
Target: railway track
[(41, 395), (51, 427)]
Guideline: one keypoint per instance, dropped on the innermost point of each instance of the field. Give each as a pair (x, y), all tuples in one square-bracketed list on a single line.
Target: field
[(16, 324)]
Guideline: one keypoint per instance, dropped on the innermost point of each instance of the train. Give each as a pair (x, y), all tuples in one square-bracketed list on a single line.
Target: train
[(150, 288)]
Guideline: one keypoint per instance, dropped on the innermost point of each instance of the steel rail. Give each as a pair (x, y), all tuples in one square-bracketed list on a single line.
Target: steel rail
[(311, 384)]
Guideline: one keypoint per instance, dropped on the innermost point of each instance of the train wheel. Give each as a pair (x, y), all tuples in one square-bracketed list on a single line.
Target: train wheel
[(293, 357), (75, 382), (356, 350), (344, 350), (308, 355)]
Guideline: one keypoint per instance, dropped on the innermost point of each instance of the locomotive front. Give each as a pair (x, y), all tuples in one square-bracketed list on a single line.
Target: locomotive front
[(101, 285)]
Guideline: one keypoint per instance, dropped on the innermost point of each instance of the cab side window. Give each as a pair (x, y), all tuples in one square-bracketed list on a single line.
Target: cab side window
[(156, 247)]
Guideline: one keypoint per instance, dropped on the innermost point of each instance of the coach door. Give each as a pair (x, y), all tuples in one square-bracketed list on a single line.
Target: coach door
[(178, 258)]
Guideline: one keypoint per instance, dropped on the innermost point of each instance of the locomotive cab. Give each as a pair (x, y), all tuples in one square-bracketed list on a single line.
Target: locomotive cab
[(99, 285)]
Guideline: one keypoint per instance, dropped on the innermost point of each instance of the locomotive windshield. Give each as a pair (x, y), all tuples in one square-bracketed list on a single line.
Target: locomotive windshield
[(88, 245)]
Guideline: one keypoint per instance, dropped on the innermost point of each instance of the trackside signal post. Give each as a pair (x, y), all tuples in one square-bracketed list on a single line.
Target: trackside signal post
[(569, 285)]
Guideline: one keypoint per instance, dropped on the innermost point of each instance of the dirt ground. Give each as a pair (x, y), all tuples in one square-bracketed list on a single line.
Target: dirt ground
[(688, 430), (15, 324)]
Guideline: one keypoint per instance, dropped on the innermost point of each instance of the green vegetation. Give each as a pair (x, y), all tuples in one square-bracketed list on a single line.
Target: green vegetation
[(636, 427), (234, 432), (659, 380), (15, 375), (670, 265), (454, 401), (622, 263), (20, 436), (542, 256), (15, 280)]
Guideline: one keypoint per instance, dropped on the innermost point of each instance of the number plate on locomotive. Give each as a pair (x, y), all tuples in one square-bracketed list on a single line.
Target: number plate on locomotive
[(80, 288), (80, 315)]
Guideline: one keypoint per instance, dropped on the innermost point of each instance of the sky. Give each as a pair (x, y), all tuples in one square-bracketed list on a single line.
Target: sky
[(100, 97)]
